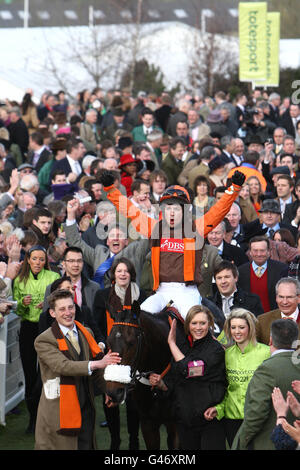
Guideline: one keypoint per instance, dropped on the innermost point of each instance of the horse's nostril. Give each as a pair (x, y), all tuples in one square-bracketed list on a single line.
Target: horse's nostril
[(120, 394), (117, 395)]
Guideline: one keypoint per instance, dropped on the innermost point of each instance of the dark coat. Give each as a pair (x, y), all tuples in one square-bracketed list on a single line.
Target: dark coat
[(63, 165), (44, 157), (241, 299), (192, 396), (276, 270), (290, 212), (287, 123), (18, 134), (234, 254)]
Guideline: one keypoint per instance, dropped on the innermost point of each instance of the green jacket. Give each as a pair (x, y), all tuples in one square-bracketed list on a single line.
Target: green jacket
[(44, 175), (36, 288), (240, 368)]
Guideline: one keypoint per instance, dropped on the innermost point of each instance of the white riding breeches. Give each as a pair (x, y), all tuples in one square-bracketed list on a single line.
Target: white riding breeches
[(183, 297)]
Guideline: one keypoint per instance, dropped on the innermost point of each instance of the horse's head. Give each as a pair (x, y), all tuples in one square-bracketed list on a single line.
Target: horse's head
[(125, 338)]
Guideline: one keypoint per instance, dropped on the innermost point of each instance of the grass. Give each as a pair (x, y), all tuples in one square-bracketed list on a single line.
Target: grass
[(13, 437)]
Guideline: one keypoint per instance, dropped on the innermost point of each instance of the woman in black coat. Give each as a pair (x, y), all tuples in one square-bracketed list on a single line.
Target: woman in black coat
[(123, 292), (197, 378)]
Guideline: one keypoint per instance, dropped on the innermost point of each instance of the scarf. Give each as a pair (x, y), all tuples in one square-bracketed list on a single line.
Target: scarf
[(70, 412), (119, 300)]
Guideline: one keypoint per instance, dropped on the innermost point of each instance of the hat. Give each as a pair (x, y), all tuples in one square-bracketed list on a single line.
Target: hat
[(118, 111), (25, 165), (124, 142), (127, 158), (253, 229), (280, 170), (254, 139), (216, 163), (214, 116), (175, 194), (270, 205), (146, 165)]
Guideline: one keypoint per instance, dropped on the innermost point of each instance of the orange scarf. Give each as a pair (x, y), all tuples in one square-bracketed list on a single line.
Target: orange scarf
[(70, 412)]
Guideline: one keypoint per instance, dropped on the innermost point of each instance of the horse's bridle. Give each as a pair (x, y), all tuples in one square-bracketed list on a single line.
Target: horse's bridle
[(134, 374)]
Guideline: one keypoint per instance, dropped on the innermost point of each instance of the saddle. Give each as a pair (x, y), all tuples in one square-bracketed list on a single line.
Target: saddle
[(174, 313)]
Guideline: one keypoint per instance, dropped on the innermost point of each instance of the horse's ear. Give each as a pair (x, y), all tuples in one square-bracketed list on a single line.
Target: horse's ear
[(111, 312), (135, 309)]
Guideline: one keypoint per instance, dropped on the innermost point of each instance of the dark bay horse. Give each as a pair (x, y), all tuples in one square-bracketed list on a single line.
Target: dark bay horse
[(141, 340)]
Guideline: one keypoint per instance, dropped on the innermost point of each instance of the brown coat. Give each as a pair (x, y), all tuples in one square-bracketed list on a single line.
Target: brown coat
[(53, 364), (263, 325)]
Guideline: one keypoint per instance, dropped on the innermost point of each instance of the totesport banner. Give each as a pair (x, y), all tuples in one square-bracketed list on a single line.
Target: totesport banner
[(252, 35), (272, 50)]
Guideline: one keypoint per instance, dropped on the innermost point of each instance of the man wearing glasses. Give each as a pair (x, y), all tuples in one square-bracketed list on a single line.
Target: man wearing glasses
[(84, 289), (288, 300)]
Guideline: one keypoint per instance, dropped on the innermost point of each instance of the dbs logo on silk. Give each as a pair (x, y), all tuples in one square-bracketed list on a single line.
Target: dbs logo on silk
[(172, 245)]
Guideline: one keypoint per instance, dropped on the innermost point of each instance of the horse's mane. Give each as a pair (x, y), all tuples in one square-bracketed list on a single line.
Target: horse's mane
[(159, 321)]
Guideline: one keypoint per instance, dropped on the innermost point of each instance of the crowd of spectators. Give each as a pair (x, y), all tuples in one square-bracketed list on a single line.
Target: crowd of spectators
[(58, 224)]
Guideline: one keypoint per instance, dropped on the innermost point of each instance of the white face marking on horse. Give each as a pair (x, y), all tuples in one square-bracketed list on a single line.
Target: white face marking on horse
[(118, 335)]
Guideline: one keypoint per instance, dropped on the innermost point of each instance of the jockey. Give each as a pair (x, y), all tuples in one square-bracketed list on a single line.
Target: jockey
[(176, 241)]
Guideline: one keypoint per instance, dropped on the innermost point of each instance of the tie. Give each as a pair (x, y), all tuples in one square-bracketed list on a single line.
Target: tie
[(226, 306), (75, 295), (271, 233), (73, 340), (35, 159), (101, 270), (259, 271)]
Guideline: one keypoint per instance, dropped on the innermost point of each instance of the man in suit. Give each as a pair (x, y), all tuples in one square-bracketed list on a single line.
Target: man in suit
[(280, 370), (278, 136), (197, 128), (101, 257), (180, 115), (261, 275), (271, 218), (234, 217), (172, 165), (118, 122), (140, 133), (229, 295), (18, 132), (84, 289), (105, 216), (274, 103), (238, 152), (227, 251), (70, 363), (71, 163), (38, 154), (241, 103), (288, 300), (290, 118)]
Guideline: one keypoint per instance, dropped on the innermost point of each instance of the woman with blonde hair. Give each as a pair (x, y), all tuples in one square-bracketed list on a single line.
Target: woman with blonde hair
[(242, 357)]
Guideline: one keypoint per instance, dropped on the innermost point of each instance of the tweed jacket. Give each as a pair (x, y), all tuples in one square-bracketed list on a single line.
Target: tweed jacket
[(53, 364)]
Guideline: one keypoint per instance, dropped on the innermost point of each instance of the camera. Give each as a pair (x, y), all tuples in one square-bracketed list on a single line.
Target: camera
[(249, 114)]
